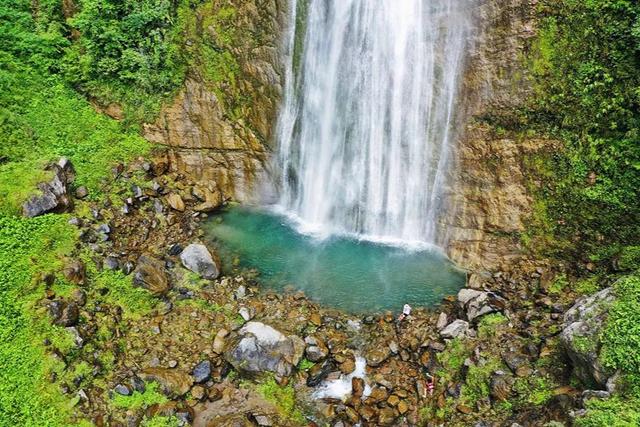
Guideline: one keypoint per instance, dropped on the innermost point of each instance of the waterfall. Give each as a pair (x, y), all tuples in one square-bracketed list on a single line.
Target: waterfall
[(366, 129)]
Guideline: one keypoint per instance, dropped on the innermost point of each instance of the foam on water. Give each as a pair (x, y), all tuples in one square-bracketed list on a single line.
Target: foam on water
[(368, 122), (341, 388)]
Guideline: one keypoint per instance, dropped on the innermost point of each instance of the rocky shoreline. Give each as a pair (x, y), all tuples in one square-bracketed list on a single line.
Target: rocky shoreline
[(219, 351)]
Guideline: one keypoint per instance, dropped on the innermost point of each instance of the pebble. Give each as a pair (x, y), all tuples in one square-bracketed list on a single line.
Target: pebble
[(122, 390), (245, 313), (202, 371)]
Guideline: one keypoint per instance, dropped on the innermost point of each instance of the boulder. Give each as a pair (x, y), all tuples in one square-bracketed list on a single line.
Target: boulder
[(319, 372), (455, 329), (150, 274), (316, 349), (580, 336), (54, 195), (202, 372), (197, 258), (82, 192), (478, 303), (500, 386), (443, 320), (176, 202), (75, 272), (378, 355), (63, 313), (211, 200), (173, 382), (259, 348), (219, 341), (122, 389)]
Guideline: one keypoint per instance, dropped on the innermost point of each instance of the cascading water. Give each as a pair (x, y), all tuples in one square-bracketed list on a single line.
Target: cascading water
[(365, 132)]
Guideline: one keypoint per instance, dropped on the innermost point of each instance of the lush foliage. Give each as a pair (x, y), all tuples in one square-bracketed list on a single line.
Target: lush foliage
[(27, 248), (614, 412), (42, 119), (585, 67), (489, 325), (621, 339), (160, 421), (620, 351), (127, 51)]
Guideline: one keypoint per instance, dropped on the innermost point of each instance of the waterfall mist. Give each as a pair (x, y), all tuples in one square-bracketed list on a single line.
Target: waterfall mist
[(366, 129)]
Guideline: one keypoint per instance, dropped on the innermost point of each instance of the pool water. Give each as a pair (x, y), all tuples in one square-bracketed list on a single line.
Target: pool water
[(343, 272)]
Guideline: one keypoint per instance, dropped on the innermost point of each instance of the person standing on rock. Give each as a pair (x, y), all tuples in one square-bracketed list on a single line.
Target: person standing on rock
[(406, 311)]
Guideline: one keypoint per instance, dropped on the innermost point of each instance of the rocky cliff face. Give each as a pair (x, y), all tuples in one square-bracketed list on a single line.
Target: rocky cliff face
[(219, 126), (489, 199)]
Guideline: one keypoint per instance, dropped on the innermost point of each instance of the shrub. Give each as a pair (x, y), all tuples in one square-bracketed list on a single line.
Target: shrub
[(621, 336)]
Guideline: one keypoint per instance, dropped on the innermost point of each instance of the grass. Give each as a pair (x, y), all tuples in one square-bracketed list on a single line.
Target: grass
[(451, 359), (28, 247), (534, 390), (283, 397), (587, 286), (490, 324), (614, 412), (160, 421), (137, 400), (305, 364), (135, 302), (558, 285), (476, 384), (621, 337), (46, 120)]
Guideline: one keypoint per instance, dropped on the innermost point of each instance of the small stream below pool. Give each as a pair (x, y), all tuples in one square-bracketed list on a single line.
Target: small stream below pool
[(342, 272)]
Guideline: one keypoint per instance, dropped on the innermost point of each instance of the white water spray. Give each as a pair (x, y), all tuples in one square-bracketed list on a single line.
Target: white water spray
[(366, 129)]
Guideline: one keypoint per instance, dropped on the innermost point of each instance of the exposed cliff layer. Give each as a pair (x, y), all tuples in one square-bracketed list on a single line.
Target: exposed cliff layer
[(489, 199), (219, 125)]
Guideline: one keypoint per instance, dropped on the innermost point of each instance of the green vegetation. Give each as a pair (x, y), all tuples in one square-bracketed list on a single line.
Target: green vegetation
[(534, 390), (117, 289), (451, 359), (558, 285), (160, 421), (305, 364), (476, 384), (620, 351), (28, 248), (621, 338), (614, 412), (490, 324), (128, 52), (283, 397), (585, 66), (587, 286), (41, 118), (137, 400)]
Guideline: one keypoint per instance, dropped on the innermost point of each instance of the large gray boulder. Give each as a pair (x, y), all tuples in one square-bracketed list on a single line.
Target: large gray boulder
[(457, 328), (478, 303), (197, 258), (54, 195), (259, 349), (580, 336)]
